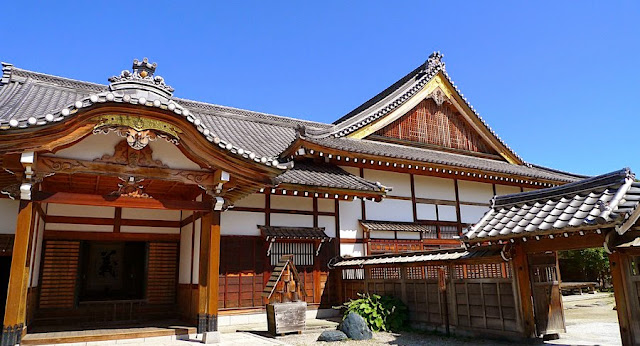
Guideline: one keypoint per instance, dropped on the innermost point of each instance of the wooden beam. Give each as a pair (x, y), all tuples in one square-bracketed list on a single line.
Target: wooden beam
[(49, 165), (14, 317), (525, 294), (110, 236), (620, 289), (560, 243), (125, 202)]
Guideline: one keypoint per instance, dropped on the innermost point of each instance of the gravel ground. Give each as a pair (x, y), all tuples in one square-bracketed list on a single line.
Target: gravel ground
[(405, 338), (590, 320)]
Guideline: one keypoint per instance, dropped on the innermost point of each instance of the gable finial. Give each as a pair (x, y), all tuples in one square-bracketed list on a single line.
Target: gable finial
[(434, 63), (141, 78)]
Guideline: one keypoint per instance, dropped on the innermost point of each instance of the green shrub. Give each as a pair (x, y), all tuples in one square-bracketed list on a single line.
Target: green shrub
[(381, 312)]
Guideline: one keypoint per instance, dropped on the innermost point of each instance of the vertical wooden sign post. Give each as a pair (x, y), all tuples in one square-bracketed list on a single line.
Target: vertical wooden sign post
[(442, 288)]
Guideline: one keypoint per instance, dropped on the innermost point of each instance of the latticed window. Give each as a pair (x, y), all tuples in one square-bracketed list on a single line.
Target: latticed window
[(482, 271), (385, 273), (303, 253), (448, 232), (353, 274)]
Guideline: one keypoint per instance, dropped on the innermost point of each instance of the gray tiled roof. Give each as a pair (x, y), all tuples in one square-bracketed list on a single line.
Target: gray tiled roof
[(396, 226), (419, 257), (364, 146), (326, 175), (25, 94), (293, 232), (604, 201)]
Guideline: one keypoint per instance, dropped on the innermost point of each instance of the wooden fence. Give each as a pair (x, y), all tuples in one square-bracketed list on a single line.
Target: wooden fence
[(467, 299)]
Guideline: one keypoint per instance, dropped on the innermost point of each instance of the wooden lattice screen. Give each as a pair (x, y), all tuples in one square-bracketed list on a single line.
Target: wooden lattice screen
[(436, 125), (59, 273), (161, 284)]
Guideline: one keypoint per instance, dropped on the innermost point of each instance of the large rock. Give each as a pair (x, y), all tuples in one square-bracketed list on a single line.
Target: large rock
[(355, 327), (332, 335)]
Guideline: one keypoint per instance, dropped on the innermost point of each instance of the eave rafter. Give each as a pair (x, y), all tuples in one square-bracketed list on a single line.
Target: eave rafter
[(306, 149)]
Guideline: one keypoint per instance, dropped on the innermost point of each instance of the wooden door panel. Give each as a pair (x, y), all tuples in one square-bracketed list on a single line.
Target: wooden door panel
[(547, 299)]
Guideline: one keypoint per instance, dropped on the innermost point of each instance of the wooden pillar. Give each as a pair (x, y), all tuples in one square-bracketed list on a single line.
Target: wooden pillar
[(15, 310), (619, 279), (209, 273), (523, 284)]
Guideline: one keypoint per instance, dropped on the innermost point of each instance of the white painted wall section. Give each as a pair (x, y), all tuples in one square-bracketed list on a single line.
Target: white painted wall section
[(195, 275), (434, 188), (408, 235), (447, 213), (472, 191), (389, 210), (255, 200), (240, 223), (381, 235), (350, 213), (291, 203), (506, 189), (326, 205), (472, 213), (426, 211), (80, 210), (150, 214), (184, 273), (329, 224), (8, 215), (37, 253), (353, 250), (292, 220), (80, 228), (146, 229), (401, 182)]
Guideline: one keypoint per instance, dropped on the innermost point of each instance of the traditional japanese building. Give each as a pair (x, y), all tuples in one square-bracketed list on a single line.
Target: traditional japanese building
[(123, 202)]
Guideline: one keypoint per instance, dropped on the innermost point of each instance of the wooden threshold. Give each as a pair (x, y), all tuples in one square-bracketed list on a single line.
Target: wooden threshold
[(134, 331)]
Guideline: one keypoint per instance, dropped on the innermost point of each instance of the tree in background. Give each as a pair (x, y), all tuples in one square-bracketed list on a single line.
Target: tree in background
[(585, 265)]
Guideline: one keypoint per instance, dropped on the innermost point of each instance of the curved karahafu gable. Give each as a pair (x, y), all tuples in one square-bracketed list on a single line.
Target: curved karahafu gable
[(138, 87)]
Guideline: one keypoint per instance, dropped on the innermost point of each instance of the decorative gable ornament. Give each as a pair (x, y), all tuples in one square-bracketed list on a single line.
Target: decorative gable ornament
[(141, 82)]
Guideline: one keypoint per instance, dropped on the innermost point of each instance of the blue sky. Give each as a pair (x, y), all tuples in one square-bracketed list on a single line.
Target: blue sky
[(558, 81)]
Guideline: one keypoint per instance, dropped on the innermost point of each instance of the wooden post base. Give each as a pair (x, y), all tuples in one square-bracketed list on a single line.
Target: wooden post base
[(11, 335)]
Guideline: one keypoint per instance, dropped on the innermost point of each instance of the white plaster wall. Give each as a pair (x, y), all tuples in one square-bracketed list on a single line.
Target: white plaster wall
[(472, 213), (381, 235), (147, 229), (329, 224), (240, 223), (350, 213), (95, 146), (151, 214), (195, 275), (8, 215), (326, 205), (408, 235), (389, 210), (184, 273), (80, 210), (291, 203), (255, 200), (434, 188), (91, 147), (426, 211), (472, 191), (37, 254), (185, 214), (447, 213), (82, 228), (354, 250), (506, 189), (353, 170), (401, 182), (291, 220)]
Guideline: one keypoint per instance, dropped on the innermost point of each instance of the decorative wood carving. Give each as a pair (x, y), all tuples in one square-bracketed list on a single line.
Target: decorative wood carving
[(118, 165), (126, 155), (130, 187), (138, 131)]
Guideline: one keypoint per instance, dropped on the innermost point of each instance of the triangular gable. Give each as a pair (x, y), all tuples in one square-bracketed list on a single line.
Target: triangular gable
[(428, 84), (435, 123)]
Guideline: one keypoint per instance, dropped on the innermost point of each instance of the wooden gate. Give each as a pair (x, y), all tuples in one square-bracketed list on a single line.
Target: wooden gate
[(547, 299)]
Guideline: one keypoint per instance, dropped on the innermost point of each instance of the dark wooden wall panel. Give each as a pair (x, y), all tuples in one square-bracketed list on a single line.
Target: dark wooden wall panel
[(162, 273), (59, 274)]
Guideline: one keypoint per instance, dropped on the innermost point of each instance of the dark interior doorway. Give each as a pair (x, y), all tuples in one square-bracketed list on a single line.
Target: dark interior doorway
[(112, 270), (5, 269)]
